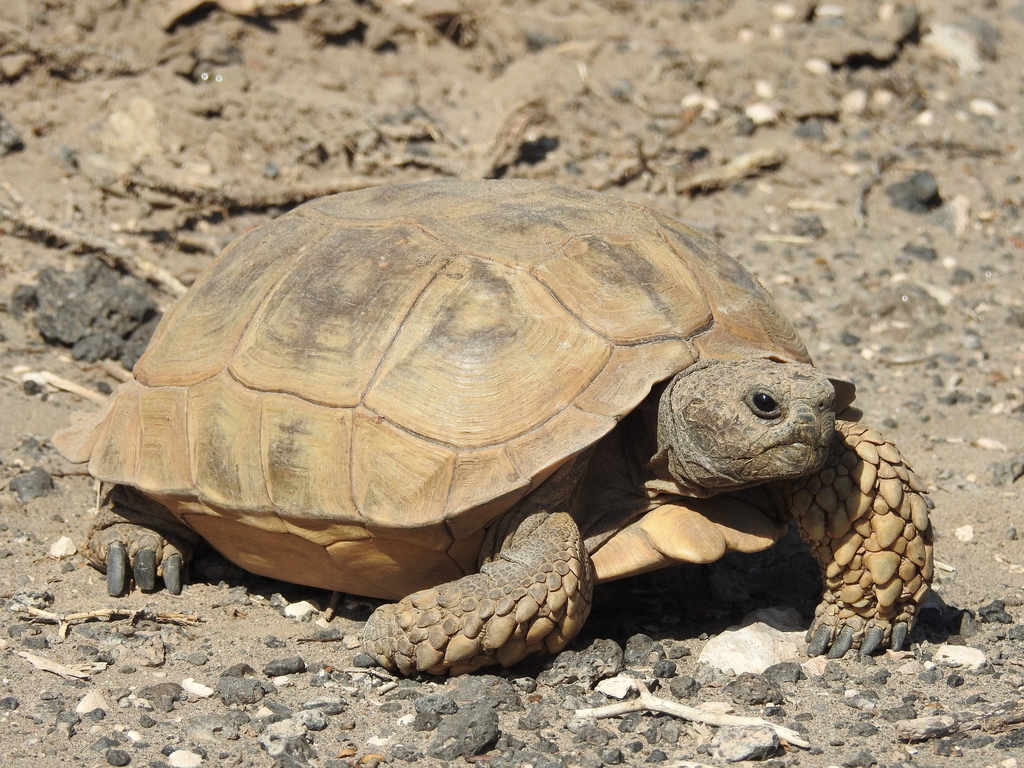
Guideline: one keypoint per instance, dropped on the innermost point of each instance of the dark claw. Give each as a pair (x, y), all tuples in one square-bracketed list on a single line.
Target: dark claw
[(842, 644), (899, 636), (872, 641), (117, 569), (819, 642), (145, 570), (172, 574)]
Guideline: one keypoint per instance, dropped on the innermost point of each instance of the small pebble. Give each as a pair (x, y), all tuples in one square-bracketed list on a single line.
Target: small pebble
[(10, 138), (197, 689), (288, 666), (817, 66), (118, 757), (31, 485), (468, 732), (63, 547), (618, 687), (437, 704), (183, 758), (736, 743), (983, 108), (92, 701), (300, 611), (964, 533), (960, 656), (918, 193)]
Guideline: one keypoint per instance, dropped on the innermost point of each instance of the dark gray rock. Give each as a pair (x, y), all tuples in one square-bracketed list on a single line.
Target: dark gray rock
[(239, 670), (642, 650), (918, 193), (291, 665), (118, 757), (753, 690), (469, 731), (10, 138), (287, 739), (162, 695), (32, 484), (328, 703), (239, 690), (436, 703), (93, 310), (312, 719), (783, 672), (683, 687), (496, 692), (602, 658)]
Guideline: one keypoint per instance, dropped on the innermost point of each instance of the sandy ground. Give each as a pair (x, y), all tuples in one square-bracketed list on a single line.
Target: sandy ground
[(863, 159)]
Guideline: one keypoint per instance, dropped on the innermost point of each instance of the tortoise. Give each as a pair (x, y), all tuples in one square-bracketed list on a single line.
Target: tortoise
[(481, 398)]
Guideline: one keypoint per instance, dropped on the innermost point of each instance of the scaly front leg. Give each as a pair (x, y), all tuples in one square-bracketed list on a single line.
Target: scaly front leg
[(534, 596), (867, 523)]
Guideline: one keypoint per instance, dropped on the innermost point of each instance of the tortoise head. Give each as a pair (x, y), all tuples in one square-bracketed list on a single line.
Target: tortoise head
[(726, 425)]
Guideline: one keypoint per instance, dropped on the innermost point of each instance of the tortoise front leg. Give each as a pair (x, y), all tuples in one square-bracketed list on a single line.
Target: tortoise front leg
[(532, 597), (867, 523)]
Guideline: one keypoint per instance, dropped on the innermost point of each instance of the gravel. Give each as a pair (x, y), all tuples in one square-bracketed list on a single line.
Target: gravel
[(890, 232)]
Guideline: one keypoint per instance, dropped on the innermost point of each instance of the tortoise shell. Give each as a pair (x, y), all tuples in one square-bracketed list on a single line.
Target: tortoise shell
[(352, 393)]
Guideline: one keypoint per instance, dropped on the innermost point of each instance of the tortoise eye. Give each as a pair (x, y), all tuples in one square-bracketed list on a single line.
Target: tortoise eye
[(764, 405)]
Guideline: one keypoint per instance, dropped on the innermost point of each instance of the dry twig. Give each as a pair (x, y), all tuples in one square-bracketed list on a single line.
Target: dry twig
[(110, 252), (741, 167), (81, 672), (649, 702), (22, 374), (39, 616)]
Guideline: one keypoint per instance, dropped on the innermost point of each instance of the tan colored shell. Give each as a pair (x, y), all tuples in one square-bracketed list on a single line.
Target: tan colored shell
[(353, 392)]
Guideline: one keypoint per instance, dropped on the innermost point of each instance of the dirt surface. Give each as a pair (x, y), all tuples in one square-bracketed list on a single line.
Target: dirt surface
[(863, 159)]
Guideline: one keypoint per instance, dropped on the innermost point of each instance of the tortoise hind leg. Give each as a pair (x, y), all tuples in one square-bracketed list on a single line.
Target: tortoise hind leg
[(867, 523), (133, 530), (533, 597)]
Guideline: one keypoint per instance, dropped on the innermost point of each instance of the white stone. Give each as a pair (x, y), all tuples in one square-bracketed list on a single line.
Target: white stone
[(197, 689), (783, 12), (817, 66), (709, 105), (956, 44), (63, 547), (960, 656), (854, 102), (617, 687), (300, 610), (912, 667), (964, 533), (182, 758), (762, 113), (815, 666), (983, 108), (93, 700), (752, 648)]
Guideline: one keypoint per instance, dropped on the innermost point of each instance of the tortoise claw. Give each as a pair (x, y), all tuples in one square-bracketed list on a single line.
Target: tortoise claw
[(872, 641), (172, 574), (819, 642), (117, 569), (144, 570), (843, 643), (899, 635)]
